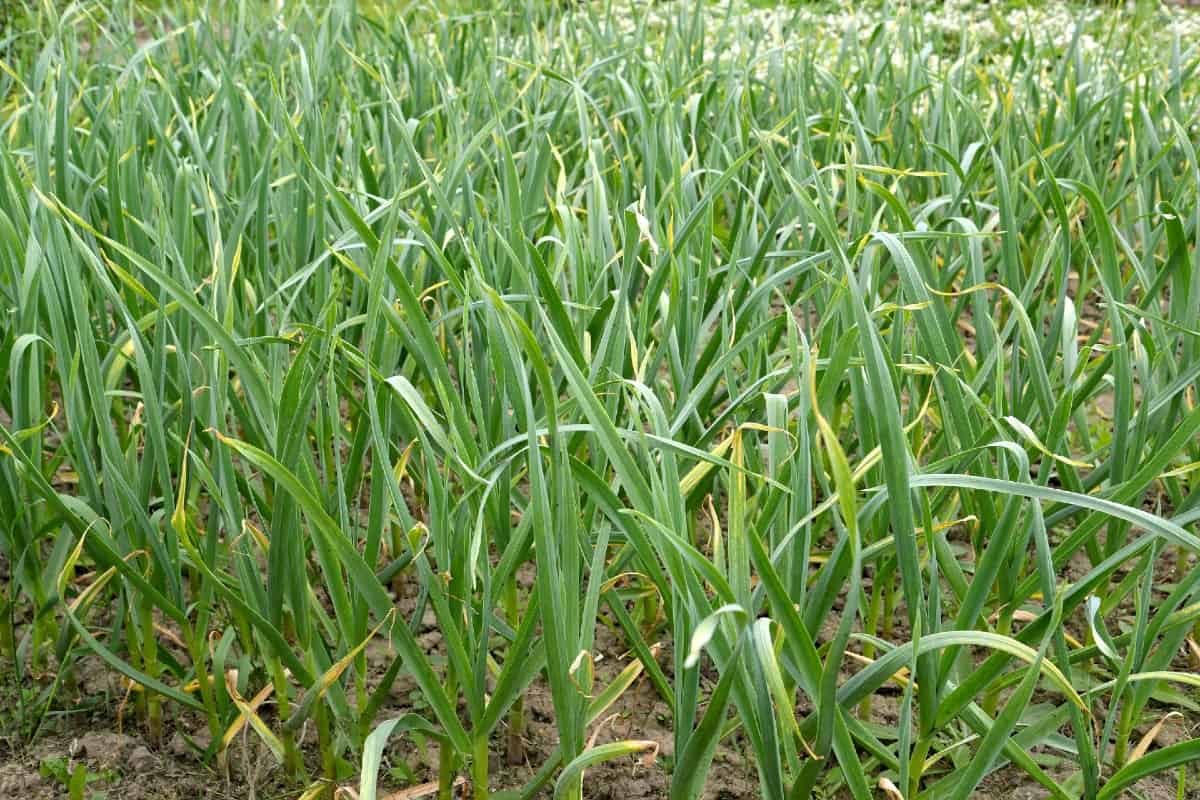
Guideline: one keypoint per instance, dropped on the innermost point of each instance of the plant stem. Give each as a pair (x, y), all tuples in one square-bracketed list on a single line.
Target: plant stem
[(479, 768), (514, 754), (150, 660), (325, 744), (446, 749), (916, 764), (293, 763), (1124, 731), (1003, 627)]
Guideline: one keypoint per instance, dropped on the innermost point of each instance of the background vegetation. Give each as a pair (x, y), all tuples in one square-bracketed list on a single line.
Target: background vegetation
[(813, 352)]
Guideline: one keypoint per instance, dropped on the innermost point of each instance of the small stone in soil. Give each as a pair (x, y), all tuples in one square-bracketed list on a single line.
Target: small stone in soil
[(142, 760), (177, 746)]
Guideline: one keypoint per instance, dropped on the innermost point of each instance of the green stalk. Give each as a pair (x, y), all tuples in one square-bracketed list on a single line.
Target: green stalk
[(8, 639), (150, 661), (876, 607), (293, 761), (447, 758), (196, 649), (325, 743), (515, 739), (479, 768), (916, 764), (1004, 627), (1125, 726), (889, 608)]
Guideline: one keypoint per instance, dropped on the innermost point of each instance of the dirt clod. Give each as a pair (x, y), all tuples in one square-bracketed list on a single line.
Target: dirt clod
[(15, 781), (103, 747), (141, 760), (177, 746)]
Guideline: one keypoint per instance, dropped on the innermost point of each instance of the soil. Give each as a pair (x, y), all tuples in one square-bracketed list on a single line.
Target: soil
[(92, 728), (122, 764)]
